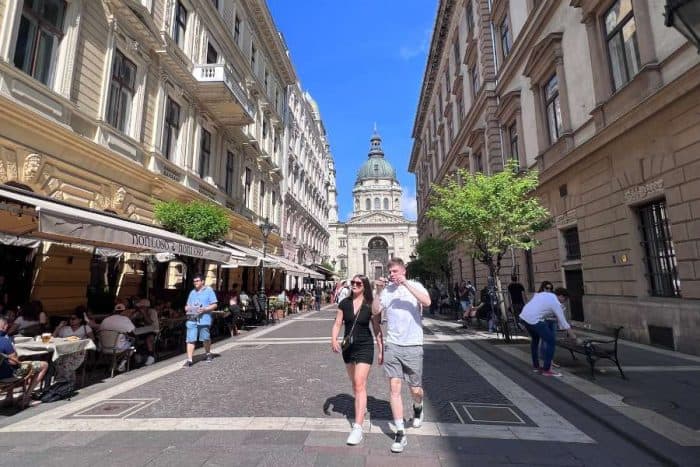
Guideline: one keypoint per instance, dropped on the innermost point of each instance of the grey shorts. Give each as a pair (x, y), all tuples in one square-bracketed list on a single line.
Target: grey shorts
[(405, 362)]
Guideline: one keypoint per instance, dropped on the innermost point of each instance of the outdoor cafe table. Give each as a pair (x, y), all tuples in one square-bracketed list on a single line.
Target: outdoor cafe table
[(57, 347)]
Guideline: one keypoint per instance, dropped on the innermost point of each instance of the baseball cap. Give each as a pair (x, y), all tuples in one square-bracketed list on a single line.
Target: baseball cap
[(119, 307)]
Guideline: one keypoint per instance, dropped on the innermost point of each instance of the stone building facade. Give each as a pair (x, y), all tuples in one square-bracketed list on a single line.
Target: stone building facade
[(112, 104), (377, 229), (602, 98)]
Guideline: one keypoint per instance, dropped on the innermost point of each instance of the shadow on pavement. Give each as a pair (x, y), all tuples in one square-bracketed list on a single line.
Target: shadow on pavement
[(344, 404)]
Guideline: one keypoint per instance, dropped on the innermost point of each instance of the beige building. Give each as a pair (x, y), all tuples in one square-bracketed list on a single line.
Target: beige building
[(109, 105), (377, 229), (305, 185), (602, 99)]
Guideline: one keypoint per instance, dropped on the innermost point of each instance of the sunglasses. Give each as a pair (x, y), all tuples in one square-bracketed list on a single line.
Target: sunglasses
[(357, 283), (549, 288)]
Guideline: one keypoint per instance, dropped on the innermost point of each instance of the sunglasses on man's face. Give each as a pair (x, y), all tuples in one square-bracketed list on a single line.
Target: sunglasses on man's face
[(357, 283)]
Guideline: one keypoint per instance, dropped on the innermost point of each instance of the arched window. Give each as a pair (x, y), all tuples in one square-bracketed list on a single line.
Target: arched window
[(368, 204), (377, 204), (386, 203)]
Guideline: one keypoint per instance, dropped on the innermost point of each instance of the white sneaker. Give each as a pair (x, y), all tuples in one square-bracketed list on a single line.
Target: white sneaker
[(150, 360), (122, 366), (399, 441), (418, 416), (355, 435)]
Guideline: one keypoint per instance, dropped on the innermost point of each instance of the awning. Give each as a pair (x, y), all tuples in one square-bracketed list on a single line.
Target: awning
[(250, 257), (297, 269), (27, 214)]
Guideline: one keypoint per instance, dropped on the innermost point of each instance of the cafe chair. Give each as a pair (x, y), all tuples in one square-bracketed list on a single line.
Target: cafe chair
[(108, 348), (8, 385), (31, 331)]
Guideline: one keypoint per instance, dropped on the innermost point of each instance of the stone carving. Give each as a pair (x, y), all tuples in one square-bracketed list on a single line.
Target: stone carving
[(376, 219), (641, 192), (3, 172), (110, 197), (31, 166), (11, 170), (567, 217)]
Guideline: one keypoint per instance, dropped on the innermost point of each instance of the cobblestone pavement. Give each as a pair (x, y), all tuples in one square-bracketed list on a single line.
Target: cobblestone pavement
[(278, 396)]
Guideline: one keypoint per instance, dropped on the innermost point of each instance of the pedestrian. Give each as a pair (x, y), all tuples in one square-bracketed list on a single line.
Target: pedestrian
[(517, 295), (403, 301), (533, 317), (355, 312), (200, 303)]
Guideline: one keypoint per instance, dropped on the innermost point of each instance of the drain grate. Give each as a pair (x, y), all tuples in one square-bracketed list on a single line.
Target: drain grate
[(488, 414), (114, 408)]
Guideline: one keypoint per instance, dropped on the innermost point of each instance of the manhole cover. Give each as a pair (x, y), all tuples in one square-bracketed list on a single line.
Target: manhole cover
[(648, 403), (479, 414), (114, 408)]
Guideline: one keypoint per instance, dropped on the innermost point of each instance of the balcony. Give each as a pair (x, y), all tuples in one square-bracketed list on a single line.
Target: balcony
[(220, 91)]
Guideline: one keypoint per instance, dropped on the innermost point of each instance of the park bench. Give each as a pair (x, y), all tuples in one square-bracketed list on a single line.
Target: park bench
[(595, 349)]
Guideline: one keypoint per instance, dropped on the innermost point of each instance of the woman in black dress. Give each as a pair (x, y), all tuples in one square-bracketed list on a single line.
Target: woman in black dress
[(358, 357)]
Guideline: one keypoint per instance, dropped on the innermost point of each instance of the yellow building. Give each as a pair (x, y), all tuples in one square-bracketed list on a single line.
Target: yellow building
[(109, 105)]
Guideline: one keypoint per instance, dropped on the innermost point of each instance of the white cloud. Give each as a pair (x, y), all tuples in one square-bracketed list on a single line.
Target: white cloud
[(409, 205), (407, 52)]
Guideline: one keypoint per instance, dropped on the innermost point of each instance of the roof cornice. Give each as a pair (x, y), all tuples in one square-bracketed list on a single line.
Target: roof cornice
[(268, 32)]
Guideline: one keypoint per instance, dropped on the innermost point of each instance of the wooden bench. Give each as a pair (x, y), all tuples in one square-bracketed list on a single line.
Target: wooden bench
[(595, 349)]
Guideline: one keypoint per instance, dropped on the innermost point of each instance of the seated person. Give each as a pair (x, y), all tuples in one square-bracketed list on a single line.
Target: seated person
[(149, 317), (32, 372), (119, 321), (28, 319), (75, 326)]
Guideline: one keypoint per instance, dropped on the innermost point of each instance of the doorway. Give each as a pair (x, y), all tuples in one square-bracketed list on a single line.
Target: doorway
[(574, 284)]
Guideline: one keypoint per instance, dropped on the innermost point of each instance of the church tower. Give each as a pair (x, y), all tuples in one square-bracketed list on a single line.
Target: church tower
[(332, 193), (376, 186)]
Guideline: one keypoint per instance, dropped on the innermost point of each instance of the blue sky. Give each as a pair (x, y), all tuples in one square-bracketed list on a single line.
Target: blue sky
[(363, 62)]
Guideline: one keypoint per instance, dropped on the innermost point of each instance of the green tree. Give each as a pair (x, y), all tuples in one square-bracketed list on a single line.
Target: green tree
[(198, 220), (490, 214), (433, 257)]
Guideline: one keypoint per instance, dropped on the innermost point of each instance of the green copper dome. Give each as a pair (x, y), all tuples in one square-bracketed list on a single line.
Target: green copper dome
[(376, 166)]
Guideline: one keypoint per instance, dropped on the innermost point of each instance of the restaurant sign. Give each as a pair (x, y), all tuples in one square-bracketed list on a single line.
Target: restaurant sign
[(161, 244)]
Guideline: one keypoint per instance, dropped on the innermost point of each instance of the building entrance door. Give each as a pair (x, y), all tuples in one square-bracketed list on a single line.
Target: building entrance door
[(574, 284), (378, 253)]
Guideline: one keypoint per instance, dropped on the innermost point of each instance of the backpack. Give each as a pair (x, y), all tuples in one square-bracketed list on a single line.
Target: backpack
[(58, 391)]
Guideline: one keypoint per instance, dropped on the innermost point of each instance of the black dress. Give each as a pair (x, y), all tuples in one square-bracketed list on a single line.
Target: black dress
[(362, 348)]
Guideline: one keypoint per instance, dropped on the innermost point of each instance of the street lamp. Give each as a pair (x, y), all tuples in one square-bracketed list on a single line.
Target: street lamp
[(412, 256), (265, 229), (684, 16)]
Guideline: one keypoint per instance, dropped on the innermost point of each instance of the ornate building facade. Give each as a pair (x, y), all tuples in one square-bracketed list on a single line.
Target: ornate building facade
[(112, 104), (377, 229), (602, 98), (307, 178)]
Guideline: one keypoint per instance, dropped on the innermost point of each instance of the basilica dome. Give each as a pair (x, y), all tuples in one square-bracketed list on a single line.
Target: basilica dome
[(376, 167)]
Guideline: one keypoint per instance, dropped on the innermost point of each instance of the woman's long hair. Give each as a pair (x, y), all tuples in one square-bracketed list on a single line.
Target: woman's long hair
[(545, 285), (366, 289)]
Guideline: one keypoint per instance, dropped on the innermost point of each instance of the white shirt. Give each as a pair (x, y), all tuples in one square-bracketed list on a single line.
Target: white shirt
[(67, 331), (541, 305), (343, 294), (118, 323), (403, 314)]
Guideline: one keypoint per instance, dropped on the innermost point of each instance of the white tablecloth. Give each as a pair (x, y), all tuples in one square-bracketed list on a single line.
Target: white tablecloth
[(57, 347)]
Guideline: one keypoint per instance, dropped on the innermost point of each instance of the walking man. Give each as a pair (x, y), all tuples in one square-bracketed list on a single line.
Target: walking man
[(200, 303), (402, 301)]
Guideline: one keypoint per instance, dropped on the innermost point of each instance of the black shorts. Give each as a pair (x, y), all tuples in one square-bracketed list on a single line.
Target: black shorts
[(359, 353)]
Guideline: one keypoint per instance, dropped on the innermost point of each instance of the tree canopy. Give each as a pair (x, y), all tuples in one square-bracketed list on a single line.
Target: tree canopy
[(433, 256), (490, 213), (198, 220)]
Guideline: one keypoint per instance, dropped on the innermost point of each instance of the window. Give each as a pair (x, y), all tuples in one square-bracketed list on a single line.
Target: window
[(368, 204), (236, 29), (447, 79), (215, 3), (469, 18), (376, 204), (40, 31), (212, 54), (386, 203), (121, 92), (513, 140), (261, 199), (478, 163), (440, 102), (228, 182), (552, 109), (506, 38), (342, 243), (180, 25), (253, 53), (266, 80), (171, 129), (621, 39), (571, 243), (204, 153), (247, 182), (264, 129), (474, 73), (455, 51), (462, 110), (660, 255), (273, 212)]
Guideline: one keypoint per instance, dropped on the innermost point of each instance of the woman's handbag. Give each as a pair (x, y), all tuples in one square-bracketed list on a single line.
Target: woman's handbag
[(350, 338)]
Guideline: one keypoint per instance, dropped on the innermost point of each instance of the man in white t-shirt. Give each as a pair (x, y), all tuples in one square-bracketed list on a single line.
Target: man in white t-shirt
[(119, 322), (403, 302)]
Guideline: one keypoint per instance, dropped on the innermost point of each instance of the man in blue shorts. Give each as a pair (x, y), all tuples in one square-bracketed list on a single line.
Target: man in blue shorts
[(200, 303)]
